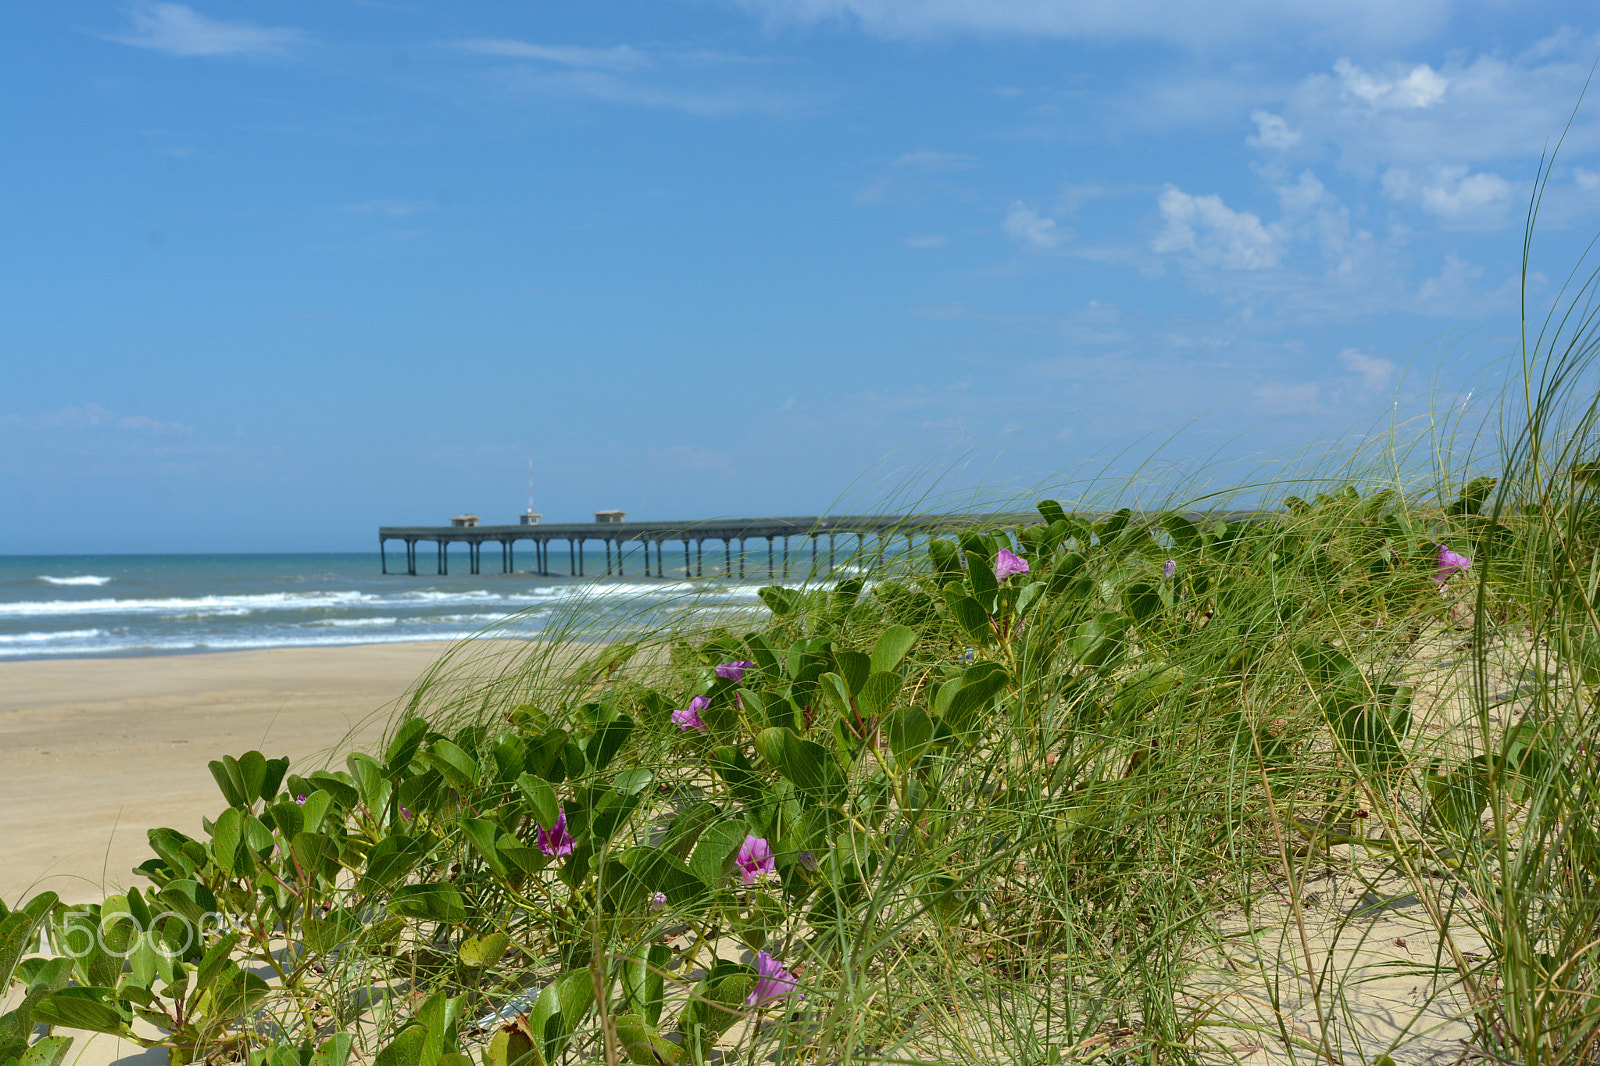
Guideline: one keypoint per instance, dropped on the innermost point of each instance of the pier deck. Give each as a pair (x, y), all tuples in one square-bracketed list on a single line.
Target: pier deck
[(696, 533)]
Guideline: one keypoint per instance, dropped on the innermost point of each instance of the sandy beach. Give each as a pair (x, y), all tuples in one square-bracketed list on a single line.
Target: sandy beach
[(97, 751)]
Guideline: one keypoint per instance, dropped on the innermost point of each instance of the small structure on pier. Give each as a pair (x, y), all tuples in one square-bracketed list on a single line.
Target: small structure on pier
[(464, 521), (529, 518), (610, 518)]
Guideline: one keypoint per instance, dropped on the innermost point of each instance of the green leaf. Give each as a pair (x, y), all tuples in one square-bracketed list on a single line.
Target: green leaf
[(405, 1049), (460, 770), (980, 683), (542, 802), (734, 768), (879, 693), (910, 731), (485, 952), (891, 647), (715, 1004), (335, 1051), (607, 741), (715, 852), (1096, 640), (1182, 531), (646, 1047), (643, 986), (481, 834), (980, 573), (560, 1009), (544, 756), (339, 785), (339, 928), (661, 871), (47, 1052), (853, 667), (780, 601), (969, 615), (315, 854), (231, 790), (16, 933), (252, 775), (437, 902), (946, 559), (80, 1008), (227, 841), (369, 779), (837, 692), (389, 861), (1051, 512), (407, 739), (808, 765)]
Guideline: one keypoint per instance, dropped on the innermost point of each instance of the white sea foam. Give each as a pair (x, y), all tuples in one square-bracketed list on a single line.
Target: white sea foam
[(199, 605), (45, 638), (355, 623), (78, 579)]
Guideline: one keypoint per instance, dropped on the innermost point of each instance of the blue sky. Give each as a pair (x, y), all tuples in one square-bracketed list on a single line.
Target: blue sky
[(277, 273)]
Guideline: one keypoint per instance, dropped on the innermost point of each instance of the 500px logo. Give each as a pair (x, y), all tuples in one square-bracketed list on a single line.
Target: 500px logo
[(168, 934)]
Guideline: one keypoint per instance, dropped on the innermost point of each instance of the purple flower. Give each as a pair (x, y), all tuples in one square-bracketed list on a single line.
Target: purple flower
[(300, 800), (689, 717), (755, 857), (556, 840), (1169, 568), (1450, 564), (735, 671), (1008, 563), (774, 983), (808, 862), (658, 901), (403, 812)]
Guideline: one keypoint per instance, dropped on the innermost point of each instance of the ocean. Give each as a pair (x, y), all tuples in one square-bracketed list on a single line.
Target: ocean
[(54, 606)]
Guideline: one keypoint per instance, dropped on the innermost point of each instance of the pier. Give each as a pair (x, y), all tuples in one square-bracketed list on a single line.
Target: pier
[(780, 535)]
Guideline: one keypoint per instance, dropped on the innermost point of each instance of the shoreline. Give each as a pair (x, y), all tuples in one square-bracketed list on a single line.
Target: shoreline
[(96, 751)]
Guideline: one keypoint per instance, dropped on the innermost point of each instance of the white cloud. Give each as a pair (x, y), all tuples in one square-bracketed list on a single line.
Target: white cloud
[(1450, 292), (92, 415), (1587, 180), (1451, 193), (1214, 234), (1272, 131), (1465, 111), (1374, 371), (1178, 21), (1033, 230), (617, 58), (179, 30), (622, 74), (1421, 87)]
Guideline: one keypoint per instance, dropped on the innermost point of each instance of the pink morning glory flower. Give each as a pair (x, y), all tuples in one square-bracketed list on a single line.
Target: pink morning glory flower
[(755, 857), (1169, 568), (301, 800), (735, 671), (1450, 564), (689, 717), (556, 840), (658, 901), (1008, 563), (774, 983)]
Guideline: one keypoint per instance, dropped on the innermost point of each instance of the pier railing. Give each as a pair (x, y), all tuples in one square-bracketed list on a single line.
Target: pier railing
[(777, 532)]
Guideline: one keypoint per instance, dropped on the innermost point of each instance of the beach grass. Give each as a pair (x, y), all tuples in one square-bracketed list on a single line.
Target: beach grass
[(1312, 785)]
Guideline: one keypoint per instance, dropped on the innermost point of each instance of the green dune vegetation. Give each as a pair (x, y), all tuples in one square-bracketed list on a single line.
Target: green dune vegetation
[(1316, 785)]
